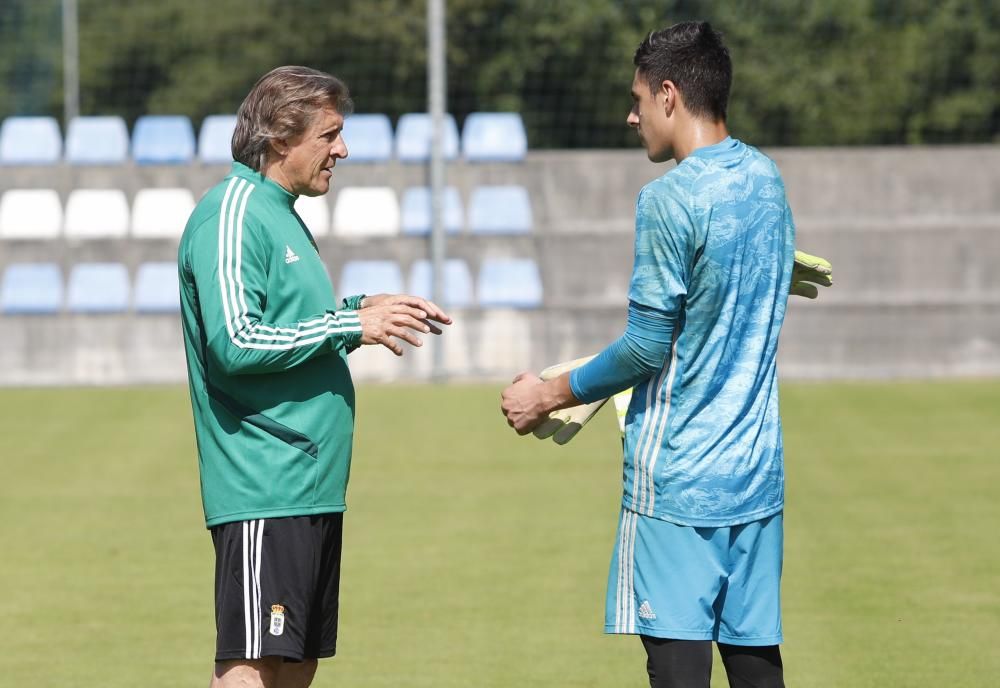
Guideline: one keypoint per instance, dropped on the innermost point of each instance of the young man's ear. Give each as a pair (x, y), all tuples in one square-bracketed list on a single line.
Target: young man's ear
[(668, 91)]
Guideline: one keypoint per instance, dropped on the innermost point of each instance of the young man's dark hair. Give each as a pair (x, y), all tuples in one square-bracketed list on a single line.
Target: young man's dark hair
[(690, 54)]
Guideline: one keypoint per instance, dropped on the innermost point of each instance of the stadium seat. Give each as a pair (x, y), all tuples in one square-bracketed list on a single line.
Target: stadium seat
[(457, 292), (509, 283), (30, 141), (97, 141), (163, 140), (370, 277), (366, 211), (30, 214), (31, 288), (315, 212), (500, 210), (161, 213), (97, 288), (416, 210), (215, 139), (413, 137), (368, 138), (494, 137), (96, 214), (156, 288)]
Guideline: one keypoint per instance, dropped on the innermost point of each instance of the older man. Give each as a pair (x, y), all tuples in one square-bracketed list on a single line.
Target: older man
[(267, 346)]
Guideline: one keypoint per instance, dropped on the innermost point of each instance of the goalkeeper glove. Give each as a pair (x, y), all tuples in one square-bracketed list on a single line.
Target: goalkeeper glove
[(807, 272), (563, 425)]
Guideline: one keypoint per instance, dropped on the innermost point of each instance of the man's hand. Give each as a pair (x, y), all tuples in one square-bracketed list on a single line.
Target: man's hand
[(387, 318), (433, 311), (527, 401)]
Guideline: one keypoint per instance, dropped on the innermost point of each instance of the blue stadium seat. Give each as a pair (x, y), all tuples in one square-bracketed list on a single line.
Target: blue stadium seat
[(97, 141), (457, 282), (30, 141), (500, 210), (163, 139), (98, 288), (31, 288), (215, 139), (413, 137), (368, 138), (509, 283), (416, 210), (370, 277), (156, 288), (494, 137)]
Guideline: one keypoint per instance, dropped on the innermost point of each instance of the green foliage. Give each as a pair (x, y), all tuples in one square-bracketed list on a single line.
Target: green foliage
[(805, 73)]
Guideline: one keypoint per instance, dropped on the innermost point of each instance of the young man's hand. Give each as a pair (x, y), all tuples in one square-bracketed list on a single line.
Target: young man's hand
[(527, 402), (522, 403)]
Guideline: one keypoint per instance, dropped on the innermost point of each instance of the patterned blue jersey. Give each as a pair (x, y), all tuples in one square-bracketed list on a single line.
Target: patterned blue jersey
[(714, 245)]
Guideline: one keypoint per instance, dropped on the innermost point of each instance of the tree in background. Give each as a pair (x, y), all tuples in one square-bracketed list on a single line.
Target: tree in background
[(807, 73)]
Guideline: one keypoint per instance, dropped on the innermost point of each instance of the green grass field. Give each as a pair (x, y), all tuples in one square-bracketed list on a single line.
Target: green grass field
[(474, 557)]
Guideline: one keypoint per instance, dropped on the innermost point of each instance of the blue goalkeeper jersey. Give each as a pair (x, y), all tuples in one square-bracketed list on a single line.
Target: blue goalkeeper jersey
[(714, 246)]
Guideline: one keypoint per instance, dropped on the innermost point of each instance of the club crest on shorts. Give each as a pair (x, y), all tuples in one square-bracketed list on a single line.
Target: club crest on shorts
[(277, 619)]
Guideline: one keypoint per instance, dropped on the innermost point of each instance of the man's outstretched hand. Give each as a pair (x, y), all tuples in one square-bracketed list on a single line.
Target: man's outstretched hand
[(388, 318)]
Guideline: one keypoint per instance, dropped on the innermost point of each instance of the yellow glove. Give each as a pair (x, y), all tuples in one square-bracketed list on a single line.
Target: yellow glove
[(807, 272), (563, 425)]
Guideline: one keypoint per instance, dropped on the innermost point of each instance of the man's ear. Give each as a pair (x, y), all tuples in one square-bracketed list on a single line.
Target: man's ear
[(668, 92), (279, 147)]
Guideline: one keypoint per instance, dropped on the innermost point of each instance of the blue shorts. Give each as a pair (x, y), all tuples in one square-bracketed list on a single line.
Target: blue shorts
[(686, 583)]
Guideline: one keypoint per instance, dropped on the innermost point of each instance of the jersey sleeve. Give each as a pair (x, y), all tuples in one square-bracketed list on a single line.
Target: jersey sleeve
[(664, 249), (229, 270)]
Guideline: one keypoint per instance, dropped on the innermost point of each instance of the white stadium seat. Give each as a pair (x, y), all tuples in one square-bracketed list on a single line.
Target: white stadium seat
[(366, 211), (96, 214), (315, 213), (161, 213), (30, 214)]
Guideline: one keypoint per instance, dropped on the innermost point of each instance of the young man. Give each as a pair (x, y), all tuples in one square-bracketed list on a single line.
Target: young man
[(699, 549), (266, 344)]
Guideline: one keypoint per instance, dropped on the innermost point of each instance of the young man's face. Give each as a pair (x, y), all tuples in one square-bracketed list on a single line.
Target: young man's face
[(649, 118), (309, 159)]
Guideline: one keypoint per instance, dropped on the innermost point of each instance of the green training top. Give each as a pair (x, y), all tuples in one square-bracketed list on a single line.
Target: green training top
[(266, 351)]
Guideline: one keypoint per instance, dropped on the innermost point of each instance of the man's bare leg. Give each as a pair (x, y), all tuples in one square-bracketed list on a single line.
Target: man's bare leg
[(247, 673), (297, 674)]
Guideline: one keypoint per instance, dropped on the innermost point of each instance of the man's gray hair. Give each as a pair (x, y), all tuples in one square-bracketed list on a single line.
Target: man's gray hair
[(280, 106)]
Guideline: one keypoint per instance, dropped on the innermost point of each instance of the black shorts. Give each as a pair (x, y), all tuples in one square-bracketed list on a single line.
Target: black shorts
[(277, 587)]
